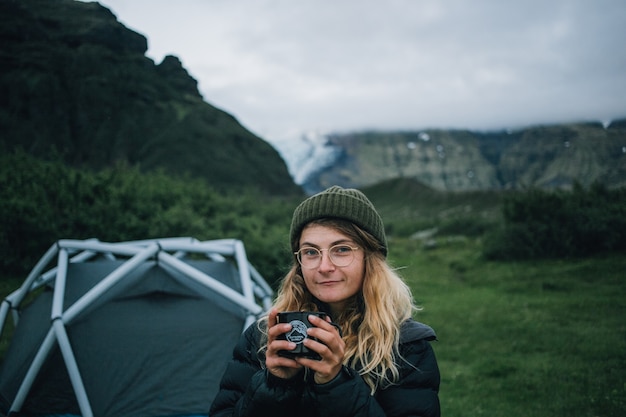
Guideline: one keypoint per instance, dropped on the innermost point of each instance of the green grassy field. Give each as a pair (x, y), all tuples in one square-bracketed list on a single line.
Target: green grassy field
[(537, 338)]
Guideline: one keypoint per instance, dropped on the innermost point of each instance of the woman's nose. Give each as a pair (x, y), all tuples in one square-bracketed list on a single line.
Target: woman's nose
[(326, 264)]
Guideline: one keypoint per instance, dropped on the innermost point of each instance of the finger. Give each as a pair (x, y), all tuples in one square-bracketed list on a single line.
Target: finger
[(318, 347), (325, 337), (275, 331), (282, 367), (329, 345), (274, 328), (324, 323), (272, 317), (327, 368), (274, 361), (276, 346), (326, 333)]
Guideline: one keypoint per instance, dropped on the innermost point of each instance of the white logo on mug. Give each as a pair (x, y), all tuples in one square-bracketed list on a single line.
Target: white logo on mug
[(297, 333)]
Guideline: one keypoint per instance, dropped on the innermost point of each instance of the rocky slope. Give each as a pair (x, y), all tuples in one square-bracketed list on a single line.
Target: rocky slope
[(542, 156), (76, 84)]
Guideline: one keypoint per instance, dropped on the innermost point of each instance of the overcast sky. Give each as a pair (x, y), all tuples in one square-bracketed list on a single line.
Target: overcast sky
[(284, 67)]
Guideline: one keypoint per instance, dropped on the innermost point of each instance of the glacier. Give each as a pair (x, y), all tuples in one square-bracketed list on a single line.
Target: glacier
[(307, 155)]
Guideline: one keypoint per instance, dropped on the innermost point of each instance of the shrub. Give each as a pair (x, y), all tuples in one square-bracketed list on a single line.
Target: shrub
[(44, 201), (472, 226), (577, 223)]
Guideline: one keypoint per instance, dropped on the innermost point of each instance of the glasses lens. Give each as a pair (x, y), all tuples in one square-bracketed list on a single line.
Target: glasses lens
[(309, 257), (341, 255)]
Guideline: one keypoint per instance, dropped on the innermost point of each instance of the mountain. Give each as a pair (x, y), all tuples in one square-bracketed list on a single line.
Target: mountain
[(553, 156), (76, 84)]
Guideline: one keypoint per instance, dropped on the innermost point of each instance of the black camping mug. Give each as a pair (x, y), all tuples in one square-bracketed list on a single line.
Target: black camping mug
[(299, 321)]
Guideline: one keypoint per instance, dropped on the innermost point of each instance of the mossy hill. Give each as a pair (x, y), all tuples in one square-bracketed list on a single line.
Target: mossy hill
[(76, 85)]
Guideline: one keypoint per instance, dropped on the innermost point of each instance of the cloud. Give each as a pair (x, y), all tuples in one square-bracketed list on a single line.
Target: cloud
[(284, 67)]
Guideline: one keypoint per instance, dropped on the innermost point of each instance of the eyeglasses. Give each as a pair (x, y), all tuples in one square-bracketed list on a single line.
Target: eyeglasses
[(340, 255)]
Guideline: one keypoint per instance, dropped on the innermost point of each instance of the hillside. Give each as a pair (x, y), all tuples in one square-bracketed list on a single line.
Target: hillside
[(458, 160), (76, 84)]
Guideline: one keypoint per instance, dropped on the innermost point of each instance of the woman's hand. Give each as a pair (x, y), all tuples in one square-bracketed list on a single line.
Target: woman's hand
[(329, 345), (279, 366)]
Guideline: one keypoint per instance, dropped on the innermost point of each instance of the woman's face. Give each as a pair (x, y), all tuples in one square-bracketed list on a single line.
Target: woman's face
[(329, 283)]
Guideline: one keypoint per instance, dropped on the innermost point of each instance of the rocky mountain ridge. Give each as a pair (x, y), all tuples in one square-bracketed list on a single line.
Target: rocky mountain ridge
[(553, 156)]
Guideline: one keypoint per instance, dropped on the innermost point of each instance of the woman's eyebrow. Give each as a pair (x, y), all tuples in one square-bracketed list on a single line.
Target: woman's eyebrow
[(337, 242)]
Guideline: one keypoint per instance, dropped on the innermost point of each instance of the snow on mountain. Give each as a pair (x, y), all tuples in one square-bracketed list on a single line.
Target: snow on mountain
[(307, 155)]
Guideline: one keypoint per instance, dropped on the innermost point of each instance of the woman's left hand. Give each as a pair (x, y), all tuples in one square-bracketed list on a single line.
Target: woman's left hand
[(329, 345)]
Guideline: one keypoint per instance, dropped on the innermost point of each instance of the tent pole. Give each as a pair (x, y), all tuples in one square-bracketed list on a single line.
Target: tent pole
[(16, 297), (244, 271), (262, 289), (215, 285), (223, 246), (72, 368), (4, 311), (34, 368), (88, 298), (50, 274), (258, 279), (61, 335), (101, 247), (59, 287)]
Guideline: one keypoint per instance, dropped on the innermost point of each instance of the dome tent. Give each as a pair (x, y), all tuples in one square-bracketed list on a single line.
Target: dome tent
[(141, 328)]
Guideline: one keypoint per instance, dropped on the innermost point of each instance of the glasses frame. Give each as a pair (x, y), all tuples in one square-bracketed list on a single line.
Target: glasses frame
[(321, 255)]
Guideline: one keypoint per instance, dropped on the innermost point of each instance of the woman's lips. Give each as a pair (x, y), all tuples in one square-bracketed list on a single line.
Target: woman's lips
[(327, 283)]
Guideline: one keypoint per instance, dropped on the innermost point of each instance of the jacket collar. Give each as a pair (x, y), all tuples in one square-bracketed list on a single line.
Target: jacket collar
[(412, 330)]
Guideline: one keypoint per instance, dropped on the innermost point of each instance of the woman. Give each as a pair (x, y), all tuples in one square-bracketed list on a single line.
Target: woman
[(375, 359)]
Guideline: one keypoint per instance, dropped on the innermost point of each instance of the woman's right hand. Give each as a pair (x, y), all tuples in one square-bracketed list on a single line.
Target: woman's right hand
[(279, 366)]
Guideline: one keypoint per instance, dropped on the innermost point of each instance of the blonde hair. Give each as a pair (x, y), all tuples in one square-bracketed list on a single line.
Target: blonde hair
[(371, 323)]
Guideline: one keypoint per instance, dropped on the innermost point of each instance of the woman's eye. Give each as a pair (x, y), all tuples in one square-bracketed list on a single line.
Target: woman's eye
[(341, 250)]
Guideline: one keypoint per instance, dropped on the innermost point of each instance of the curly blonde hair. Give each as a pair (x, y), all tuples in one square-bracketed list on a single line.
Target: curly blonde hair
[(371, 323)]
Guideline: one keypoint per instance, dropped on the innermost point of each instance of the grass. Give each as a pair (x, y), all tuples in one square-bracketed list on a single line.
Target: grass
[(543, 338)]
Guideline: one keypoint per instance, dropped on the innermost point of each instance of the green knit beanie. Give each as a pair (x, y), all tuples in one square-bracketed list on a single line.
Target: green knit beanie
[(340, 203)]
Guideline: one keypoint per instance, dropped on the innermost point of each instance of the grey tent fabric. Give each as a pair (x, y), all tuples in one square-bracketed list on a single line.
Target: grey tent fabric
[(153, 343)]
